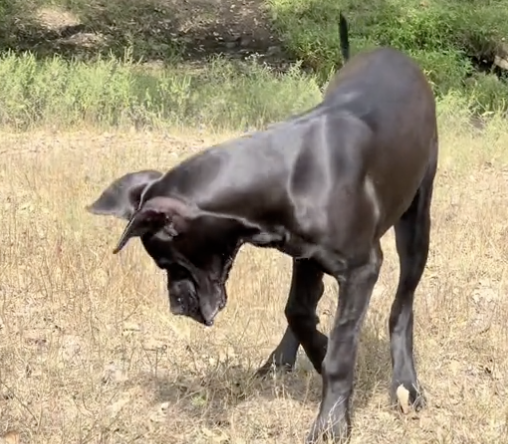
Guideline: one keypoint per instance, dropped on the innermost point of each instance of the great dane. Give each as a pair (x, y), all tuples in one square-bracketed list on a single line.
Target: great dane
[(322, 187)]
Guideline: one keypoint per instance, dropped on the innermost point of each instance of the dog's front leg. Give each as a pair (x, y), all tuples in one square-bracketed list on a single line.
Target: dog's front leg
[(356, 285), (306, 290)]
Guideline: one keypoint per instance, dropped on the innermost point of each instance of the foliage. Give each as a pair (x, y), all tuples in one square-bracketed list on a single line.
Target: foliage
[(120, 92), (445, 36)]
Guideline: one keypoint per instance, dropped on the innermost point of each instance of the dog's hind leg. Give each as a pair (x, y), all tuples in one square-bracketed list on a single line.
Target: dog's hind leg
[(306, 290), (412, 234), (283, 356)]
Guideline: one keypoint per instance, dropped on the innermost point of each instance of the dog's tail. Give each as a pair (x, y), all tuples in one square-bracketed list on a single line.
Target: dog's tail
[(343, 38)]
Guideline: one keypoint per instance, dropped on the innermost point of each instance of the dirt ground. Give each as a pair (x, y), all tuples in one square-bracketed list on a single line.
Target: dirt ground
[(237, 29), (89, 352)]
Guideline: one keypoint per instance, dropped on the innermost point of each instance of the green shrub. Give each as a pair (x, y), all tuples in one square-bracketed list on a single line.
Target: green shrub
[(119, 92), (487, 94), (442, 35)]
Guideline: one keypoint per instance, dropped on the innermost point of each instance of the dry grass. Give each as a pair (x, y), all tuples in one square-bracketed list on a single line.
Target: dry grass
[(90, 354)]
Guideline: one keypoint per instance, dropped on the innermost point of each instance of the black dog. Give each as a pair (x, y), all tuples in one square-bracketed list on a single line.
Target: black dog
[(322, 187)]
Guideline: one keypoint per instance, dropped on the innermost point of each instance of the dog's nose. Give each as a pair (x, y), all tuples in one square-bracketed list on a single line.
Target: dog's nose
[(209, 312)]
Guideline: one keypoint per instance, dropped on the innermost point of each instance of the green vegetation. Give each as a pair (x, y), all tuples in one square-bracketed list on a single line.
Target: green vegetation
[(444, 36), (109, 92), (46, 80), (112, 92)]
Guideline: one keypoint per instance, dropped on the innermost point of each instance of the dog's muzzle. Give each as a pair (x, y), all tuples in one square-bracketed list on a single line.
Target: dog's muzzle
[(203, 308)]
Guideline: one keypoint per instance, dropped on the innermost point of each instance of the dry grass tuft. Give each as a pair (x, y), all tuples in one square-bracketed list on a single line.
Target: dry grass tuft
[(90, 354)]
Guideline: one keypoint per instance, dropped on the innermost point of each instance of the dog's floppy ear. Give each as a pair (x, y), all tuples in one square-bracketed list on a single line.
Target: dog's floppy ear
[(122, 197), (159, 213)]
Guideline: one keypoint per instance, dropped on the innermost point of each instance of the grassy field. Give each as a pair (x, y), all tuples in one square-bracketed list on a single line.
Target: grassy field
[(90, 354)]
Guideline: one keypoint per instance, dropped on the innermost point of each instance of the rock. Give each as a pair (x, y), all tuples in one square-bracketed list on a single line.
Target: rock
[(500, 62)]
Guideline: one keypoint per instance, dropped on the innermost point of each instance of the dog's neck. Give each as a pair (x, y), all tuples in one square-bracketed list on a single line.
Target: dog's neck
[(240, 183), (242, 178)]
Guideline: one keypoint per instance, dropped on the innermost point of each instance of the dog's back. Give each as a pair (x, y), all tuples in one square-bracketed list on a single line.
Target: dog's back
[(383, 74), (383, 83)]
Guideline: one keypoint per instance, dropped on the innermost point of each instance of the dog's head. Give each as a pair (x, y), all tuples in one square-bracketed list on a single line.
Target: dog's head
[(196, 250)]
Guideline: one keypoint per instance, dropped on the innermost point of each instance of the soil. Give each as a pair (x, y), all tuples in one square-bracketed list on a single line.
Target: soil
[(236, 29)]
